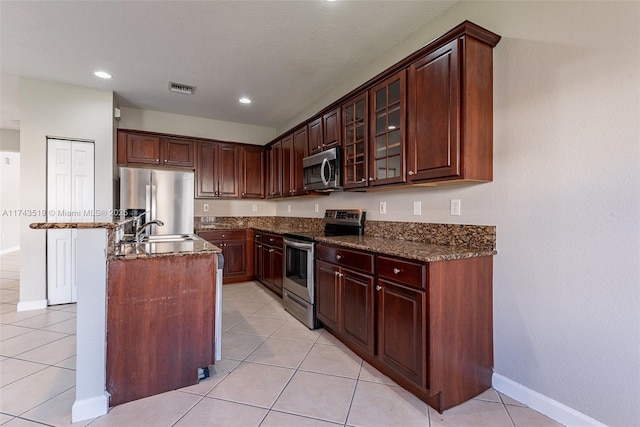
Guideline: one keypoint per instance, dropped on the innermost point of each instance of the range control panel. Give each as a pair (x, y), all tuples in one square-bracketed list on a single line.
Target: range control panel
[(344, 216)]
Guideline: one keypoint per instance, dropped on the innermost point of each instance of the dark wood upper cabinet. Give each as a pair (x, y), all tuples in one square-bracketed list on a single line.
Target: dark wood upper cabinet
[(355, 141), (287, 150), (149, 149), (274, 170), (252, 183), (387, 131), (331, 136), (297, 155), (177, 152), (450, 113), (217, 170), (315, 136), (143, 149)]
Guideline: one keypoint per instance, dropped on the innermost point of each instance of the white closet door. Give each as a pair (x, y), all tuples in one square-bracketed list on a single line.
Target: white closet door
[(70, 198)]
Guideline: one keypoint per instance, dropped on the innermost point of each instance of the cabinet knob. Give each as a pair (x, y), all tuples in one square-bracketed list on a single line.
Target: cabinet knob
[(396, 270), (370, 178), (338, 256), (270, 250), (363, 180), (243, 194), (165, 160), (157, 160), (410, 172), (271, 239), (223, 236), (378, 287), (335, 273)]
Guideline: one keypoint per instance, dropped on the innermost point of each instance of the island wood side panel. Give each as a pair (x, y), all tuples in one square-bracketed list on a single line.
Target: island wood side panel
[(160, 324)]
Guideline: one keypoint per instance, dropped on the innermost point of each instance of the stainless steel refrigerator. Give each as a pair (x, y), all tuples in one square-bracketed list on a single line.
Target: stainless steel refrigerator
[(167, 195)]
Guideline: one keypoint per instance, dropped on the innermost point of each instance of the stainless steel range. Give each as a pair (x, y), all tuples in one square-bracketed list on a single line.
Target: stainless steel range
[(299, 262)]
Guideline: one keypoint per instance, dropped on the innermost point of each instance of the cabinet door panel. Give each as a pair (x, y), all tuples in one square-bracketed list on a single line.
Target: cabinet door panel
[(327, 288), (315, 136), (355, 141), (434, 114), (177, 152), (277, 261), (206, 184), (387, 131), (253, 173), (401, 333), (331, 129), (235, 258), (298, 153), (287, 154), (143, 149), (358, 309), (227, 173)]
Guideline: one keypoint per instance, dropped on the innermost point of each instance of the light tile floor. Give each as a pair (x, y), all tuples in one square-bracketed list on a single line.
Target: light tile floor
[(274, 372)]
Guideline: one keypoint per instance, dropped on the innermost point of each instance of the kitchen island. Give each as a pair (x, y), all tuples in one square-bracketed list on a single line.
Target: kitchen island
[(138, 283)]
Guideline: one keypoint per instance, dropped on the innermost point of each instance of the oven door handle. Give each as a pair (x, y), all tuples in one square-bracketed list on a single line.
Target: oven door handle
[(325, 181), (306, 246)]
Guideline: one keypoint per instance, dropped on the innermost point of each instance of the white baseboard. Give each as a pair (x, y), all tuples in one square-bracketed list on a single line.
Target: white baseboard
[(9, 250), (89, 408), (32, 305), (543, 404)]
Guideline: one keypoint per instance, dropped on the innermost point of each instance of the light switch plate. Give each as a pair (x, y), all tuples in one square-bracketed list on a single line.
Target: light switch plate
[(417, 207), (254, 207), (383, 208)]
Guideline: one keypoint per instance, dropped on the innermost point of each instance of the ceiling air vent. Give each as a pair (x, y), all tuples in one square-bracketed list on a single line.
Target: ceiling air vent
[(181, 88)]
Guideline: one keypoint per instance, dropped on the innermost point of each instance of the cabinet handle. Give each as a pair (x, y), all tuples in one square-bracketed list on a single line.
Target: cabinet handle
[(378, 287), (410, 172), (396, 270), (335, 273), (338, 256), (271, 239), (270, 250), (363, 180), (338, 274)]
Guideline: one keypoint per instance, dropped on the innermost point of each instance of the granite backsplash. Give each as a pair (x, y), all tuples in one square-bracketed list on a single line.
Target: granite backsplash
[(473, 236)]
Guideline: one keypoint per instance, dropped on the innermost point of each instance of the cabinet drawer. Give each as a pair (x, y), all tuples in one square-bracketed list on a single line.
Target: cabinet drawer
[(222, 234), (274, 240), (402, 271), (345, 257)]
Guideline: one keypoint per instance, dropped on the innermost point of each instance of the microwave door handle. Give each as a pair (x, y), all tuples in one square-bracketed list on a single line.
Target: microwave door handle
[(324, 178)]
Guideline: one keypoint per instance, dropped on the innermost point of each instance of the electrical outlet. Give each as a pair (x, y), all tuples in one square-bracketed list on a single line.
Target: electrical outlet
[(455, 207), (317, 207), (288, 208), (383, 208), (417, 207), (254, 207), (206, 207)]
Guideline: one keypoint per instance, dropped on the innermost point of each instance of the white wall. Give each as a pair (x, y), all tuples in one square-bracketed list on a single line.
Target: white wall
[(60, 110), (9, 140), (9, 201), (565, 197), (194, 126)]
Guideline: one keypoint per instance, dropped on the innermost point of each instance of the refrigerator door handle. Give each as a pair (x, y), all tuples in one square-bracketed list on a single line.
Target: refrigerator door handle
[(147, 200), (154, 207)]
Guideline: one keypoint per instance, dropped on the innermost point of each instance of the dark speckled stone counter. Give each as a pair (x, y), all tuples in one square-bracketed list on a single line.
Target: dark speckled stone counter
[(412, 240), (406, 249), (120, 250)]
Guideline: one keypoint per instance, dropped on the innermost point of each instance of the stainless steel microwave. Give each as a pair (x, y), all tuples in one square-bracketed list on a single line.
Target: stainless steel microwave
[(322, 171)]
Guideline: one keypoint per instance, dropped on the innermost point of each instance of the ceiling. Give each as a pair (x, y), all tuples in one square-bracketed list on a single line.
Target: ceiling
[(284, 55)]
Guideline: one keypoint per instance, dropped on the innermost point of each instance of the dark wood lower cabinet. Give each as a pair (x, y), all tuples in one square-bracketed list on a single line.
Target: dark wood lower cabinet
[(268, 250), (237, 251), (160, 324), (401, 337), (428, 326)]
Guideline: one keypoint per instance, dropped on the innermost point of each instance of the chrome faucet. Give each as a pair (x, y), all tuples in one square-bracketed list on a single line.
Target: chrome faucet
[(141, 229)]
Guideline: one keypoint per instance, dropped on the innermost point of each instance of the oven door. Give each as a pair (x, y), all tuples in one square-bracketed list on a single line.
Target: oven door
[(298, 277)]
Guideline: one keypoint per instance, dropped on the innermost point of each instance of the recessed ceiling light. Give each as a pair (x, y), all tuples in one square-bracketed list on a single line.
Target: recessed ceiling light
[(103, 74), (244, 101)]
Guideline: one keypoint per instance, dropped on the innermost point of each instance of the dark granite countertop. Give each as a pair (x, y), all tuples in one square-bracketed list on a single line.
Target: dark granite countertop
[(406, 249), (112, 225), (197, 246), (420, 251)]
